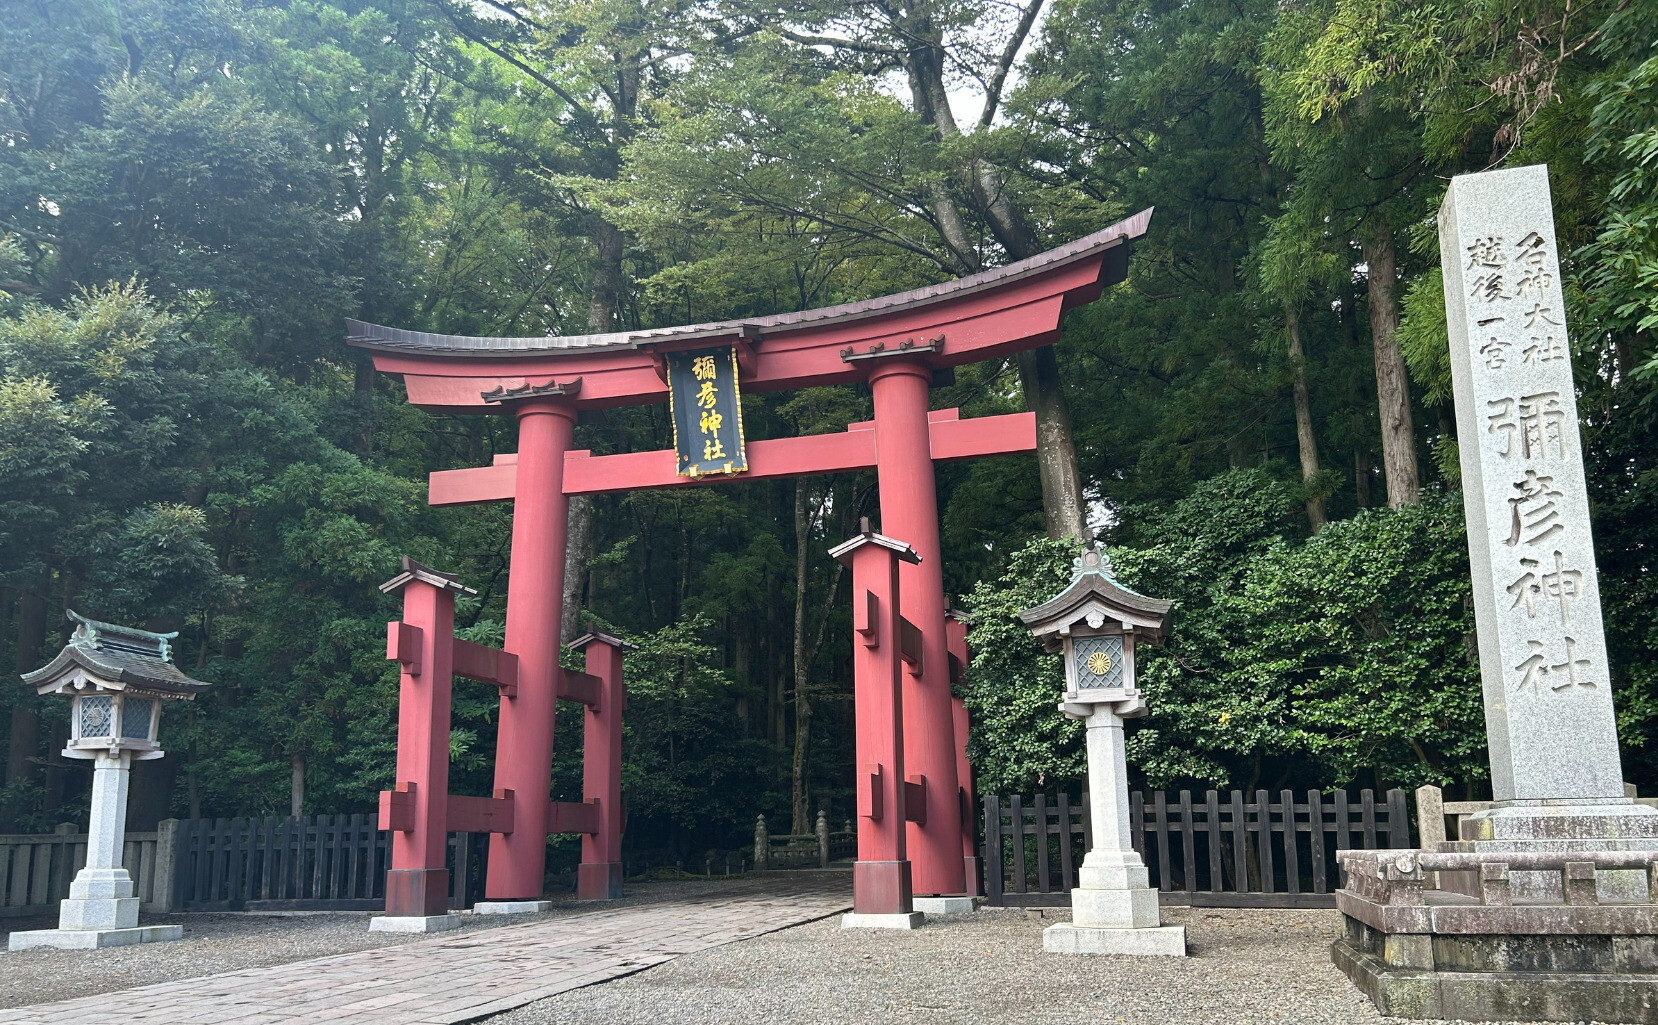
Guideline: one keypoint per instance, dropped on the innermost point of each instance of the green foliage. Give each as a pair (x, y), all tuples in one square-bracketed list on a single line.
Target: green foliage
[(1020, 743), (1320, 662)]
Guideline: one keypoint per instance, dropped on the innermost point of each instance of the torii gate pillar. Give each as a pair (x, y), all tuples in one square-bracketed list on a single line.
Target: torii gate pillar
[(909, 510), (535, 604)]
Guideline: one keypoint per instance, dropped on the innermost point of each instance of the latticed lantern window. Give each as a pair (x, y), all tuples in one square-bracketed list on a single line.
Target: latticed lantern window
[(97, 715), (137, 716), (1099, 662)]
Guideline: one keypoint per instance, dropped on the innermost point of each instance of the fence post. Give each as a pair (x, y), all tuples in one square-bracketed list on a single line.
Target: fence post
[(993, 850), (164, 898), (1398, 820), (823, 838), (762, 845), (1430, 816)]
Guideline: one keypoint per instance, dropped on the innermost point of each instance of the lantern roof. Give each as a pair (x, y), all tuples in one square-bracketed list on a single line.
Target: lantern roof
[(119, 658), (1094, 596)]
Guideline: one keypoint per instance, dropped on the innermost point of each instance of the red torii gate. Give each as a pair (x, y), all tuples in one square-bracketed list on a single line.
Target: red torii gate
[(895, 343)]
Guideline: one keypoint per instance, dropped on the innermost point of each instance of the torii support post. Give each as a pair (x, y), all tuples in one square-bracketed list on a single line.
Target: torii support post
[(909, 509), (416, 811), (881, 885), (535, 602), (599, 876)]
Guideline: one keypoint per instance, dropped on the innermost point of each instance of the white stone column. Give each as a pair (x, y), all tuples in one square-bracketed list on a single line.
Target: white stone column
[(1111, 864), (101, 895), (1114, 908), (1543, 662)]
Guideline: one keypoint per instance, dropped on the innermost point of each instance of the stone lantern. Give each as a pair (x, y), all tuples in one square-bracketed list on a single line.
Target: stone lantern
[(116, 679), (1097, 623)]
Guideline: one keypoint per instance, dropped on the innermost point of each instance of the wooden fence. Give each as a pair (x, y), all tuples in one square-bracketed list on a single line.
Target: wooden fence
[(1215, 851), (322, 862), (35, 870)]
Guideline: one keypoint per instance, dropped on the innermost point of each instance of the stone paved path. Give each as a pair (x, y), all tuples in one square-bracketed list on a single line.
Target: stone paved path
[(460, 978)]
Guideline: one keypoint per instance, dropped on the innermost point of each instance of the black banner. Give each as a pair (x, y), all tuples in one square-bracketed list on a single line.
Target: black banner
[(708, 418)]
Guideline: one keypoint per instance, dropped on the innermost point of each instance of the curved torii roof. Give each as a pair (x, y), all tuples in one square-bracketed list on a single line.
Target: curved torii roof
[(977, 317)]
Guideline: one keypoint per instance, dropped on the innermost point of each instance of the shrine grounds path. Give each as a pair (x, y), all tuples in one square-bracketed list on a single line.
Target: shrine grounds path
[(667, 956), (1247, 967), (448, 978)]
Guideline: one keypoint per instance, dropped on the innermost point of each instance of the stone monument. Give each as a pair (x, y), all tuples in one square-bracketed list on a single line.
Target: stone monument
[(117, 678), (1560, 923), (1097, 623)]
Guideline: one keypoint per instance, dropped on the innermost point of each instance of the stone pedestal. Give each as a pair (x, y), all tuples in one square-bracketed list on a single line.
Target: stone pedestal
[(101, 909), (1434, 954), (92, 939), (943, 905), (1114, 908)]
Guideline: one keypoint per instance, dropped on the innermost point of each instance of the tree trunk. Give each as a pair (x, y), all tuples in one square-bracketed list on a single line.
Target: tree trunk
[(296, 786), (151, 793), (577, 552), (775, 713), (1306, 442), (1392, 383), (604, 303), (802, 666), (23, 740), (1056, 454), (362, 396)]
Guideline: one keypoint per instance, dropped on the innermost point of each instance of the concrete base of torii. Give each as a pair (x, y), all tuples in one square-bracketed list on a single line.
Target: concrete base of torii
[(511, 907), (414, 923), (901, 920)]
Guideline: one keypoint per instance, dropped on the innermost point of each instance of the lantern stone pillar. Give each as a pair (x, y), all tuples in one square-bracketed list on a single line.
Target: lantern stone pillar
[(116, 678), (1096, 623)]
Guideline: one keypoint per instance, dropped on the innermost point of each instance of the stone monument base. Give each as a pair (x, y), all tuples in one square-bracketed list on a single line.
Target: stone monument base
[(511, 907), (1157, 940), (1500, 955), (1512, 977), (91, 939), (943, 905), (902, 920), (414, 923)]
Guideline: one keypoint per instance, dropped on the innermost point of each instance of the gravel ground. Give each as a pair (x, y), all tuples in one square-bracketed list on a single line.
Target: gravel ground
[(217, 943), (1246, 966)]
